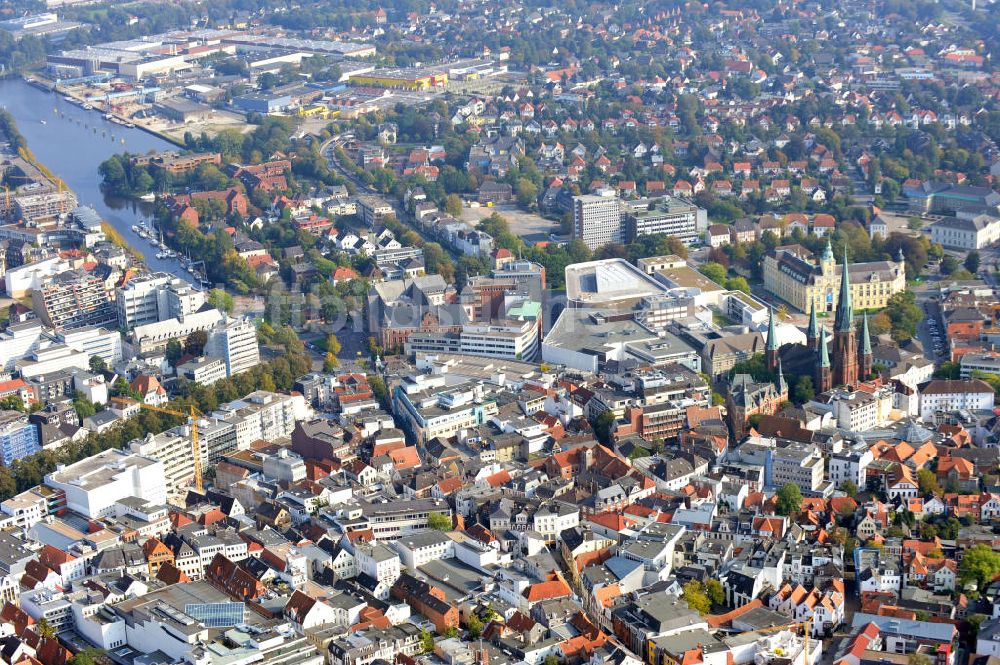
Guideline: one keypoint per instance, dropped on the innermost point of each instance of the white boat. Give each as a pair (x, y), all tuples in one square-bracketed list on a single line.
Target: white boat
[(88, 107), (148, 197), (161, 255), (43, 122)]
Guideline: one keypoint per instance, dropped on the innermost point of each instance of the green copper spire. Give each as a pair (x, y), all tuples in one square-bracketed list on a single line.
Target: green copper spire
[(813, 331), (866, 342), (828, 251), (780, 380), (824, 352), (845, 309), (772, 335)]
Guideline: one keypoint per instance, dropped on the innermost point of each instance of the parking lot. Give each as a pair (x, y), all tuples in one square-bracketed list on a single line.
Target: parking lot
[(526, 225)]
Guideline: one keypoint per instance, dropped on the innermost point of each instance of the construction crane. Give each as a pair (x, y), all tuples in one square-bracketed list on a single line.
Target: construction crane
[(195, 447)]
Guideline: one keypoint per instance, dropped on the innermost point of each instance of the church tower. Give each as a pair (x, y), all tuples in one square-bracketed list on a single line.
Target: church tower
[(824, 377), (812, 332), (865, 353), (771, 349), (845, 341)]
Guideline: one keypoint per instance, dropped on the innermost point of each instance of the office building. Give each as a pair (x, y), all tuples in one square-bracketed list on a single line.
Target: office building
[(204, 371), (673, 217), (259, 416), (156, 297), (235, 342), (95, 341), (502, 339), (597, 219)]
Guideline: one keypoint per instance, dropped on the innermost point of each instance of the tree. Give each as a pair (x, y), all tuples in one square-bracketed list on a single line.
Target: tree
[(196, 342), (738, 283), (97, 364), (602, 426), (46, 629), (905, 314), (927, 482), (89, 656), (526, 191), (330, 363), (948, 370), (453, 205), (979, 565), (174, 352), (804, 389), (426, 641), (789, 499), (439, 521), (475, 626), (849, 487), (971, 262), (714, 271), (880, 324), (332, 344), (948, 265), (221, 300), (12, 403), (696, 598), (917, 658), (713, 588)]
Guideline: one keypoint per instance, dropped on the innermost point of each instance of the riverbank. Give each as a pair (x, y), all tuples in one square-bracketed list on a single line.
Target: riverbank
[(50, 87), (72, 143)]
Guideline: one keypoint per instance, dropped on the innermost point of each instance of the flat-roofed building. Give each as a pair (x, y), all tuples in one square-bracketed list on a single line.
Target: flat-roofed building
[(597, 219), (95, 484)]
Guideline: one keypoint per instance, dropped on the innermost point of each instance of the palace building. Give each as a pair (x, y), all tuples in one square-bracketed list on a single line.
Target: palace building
[(792, 274)]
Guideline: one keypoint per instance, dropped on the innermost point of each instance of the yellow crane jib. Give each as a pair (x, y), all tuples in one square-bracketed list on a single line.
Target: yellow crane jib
[(195, 446)]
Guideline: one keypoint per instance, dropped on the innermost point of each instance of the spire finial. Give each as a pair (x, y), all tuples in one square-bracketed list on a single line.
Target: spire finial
[(824, 352), (845, 308), (772, 335)]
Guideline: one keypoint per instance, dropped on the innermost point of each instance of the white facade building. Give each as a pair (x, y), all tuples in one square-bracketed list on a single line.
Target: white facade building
[(94, 485), (951, 395)]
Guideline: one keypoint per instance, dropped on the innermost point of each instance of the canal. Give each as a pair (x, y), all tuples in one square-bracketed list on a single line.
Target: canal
[(72, 143)]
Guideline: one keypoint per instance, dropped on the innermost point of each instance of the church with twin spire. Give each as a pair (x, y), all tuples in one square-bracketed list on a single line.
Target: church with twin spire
[(844, 360)]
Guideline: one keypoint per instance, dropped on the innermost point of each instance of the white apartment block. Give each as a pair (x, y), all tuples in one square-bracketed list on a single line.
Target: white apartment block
[(175, 451), (259, 415)]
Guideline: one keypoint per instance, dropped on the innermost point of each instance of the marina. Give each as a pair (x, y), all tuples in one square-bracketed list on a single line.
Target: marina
[(93, 139)]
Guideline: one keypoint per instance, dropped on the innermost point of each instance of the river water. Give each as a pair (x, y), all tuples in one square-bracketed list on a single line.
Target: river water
[(72, 143)]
